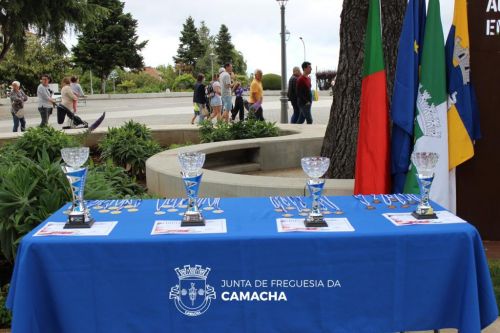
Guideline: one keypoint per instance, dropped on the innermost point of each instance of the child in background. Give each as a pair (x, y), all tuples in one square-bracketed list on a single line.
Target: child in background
[(196, 112)]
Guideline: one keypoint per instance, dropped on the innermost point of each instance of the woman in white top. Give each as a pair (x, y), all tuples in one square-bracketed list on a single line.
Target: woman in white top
[(216, 100)]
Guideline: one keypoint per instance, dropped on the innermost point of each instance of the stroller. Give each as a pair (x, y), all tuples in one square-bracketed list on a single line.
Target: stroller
[(76, 122)]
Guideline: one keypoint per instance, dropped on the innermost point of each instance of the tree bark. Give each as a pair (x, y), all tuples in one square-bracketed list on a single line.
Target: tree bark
[(393, 12), (341, 135), (5, 48), (103, 83)]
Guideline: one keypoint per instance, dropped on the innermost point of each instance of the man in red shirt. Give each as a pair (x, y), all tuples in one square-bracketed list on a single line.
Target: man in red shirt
[(304, 97)]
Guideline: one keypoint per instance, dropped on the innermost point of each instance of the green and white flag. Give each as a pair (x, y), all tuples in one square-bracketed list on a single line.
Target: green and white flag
[(431, 126)]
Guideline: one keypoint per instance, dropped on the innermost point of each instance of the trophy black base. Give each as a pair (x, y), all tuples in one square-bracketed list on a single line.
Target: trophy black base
[(418, 216), (193, 221), (315, 222), (78, 222)]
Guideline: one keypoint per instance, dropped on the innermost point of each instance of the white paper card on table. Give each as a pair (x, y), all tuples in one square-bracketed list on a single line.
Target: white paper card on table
[(402, 219), (340, 224), (57, 229), (162, 227)]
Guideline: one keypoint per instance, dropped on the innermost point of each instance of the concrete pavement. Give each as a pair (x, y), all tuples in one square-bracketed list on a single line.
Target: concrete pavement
[(152, 111)]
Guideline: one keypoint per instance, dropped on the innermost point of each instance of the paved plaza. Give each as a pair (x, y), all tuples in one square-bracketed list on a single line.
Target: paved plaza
[(151, 111)]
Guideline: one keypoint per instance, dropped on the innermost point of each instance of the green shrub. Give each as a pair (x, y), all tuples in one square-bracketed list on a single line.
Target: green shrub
[(129, 146), (115, 178), (243, 79), (33, 185), (247, 129), (178, 145), (149, 89), (5, 315), (38, 139), (30, 192), (143, 82), (184, 82), (271, 82), (126, 85)]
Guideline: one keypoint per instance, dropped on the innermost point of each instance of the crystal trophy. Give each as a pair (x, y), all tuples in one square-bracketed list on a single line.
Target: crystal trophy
[(74, 158), (424, 162), (191, 164), (315, 167)]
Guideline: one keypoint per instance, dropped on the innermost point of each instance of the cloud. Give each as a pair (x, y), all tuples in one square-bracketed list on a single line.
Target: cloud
[(254, 27)]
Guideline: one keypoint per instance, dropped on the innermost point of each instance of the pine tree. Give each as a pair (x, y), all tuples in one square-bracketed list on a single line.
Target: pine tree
[(224, 48), (49, 19), (206, 40), (239, 63), (190, 48), (110, 43)]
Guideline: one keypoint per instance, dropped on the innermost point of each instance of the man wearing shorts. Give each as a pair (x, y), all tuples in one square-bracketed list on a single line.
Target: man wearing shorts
[(225, 83)]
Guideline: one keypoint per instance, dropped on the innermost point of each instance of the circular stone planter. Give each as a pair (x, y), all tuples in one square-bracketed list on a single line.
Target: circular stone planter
[(226, 160)]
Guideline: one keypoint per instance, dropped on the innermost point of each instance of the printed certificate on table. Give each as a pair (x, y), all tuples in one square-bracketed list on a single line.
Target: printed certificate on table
[(402, 219), (340, 224), (57, 229), (162, 227)]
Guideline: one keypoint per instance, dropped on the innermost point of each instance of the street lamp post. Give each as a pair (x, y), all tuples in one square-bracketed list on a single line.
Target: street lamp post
[(304, 45), (212, 65), (283, 98), (91, 84)]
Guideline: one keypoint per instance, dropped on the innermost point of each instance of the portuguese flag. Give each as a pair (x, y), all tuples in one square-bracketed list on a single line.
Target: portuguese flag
[(372, 158)]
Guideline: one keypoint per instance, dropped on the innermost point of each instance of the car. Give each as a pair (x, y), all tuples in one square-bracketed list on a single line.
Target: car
[(57, 97)]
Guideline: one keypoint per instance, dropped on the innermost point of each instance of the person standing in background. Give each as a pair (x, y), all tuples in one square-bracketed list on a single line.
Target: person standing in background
[(77, 91), (67, 95), (17, 99), (225, 83), (199, 99), (215, 99), (238, 103), (45, 100), (304, 96), (292, 94), (257, 95)]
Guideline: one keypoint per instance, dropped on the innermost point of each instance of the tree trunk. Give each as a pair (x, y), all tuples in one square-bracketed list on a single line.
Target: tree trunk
[(393, 12), (341, 135), (103, 84), (5, 48)]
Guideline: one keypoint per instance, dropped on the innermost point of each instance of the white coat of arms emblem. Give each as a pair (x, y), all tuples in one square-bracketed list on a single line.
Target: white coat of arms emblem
[(192, 295)]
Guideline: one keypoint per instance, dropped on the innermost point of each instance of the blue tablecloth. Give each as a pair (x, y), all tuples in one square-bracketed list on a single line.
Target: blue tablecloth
[(386, 278)]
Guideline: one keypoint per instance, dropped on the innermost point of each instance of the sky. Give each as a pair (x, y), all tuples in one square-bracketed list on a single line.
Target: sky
[(254, 26)]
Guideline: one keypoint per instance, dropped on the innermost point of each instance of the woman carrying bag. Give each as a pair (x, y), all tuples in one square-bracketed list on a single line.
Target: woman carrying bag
[(17, 99)]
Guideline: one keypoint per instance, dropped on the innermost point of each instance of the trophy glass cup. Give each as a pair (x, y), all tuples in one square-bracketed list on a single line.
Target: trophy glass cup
[(315, 167), (191, 163), (424, 162), (74, 158)]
